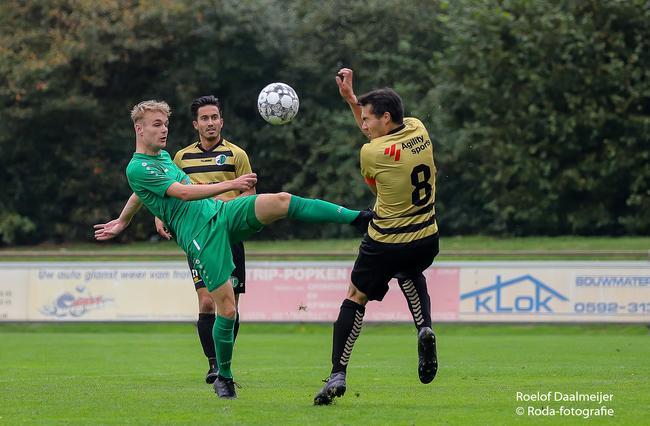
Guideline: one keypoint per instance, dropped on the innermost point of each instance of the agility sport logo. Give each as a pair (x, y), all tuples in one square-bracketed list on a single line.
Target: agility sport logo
[(393, 151)]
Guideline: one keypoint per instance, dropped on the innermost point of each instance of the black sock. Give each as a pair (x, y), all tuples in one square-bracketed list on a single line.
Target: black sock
[(204, 326), (417, 297), (236, 329), (346, 330)]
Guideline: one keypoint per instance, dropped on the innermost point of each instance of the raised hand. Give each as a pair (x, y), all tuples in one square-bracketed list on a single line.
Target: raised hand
[(344, 81)]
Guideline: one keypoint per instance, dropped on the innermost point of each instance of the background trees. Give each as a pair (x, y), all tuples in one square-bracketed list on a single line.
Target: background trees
[(540, 111)]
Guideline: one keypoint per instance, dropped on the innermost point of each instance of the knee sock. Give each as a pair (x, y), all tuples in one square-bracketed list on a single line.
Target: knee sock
[(315, 210), (417, 297), (223, 342), (204, 326), (346, 330), (235, 328)]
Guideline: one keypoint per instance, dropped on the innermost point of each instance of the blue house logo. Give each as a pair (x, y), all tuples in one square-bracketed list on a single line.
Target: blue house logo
[(526, 294)]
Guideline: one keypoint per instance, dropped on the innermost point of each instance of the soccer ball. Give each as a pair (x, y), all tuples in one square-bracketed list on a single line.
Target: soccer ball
[(278, 103)]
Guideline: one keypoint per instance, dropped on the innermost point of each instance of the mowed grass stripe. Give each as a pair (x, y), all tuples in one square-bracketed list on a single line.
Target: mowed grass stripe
[(139, 377)]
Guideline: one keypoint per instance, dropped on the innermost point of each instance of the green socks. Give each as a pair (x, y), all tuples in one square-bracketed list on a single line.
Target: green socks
[(315, 210), (222, 333)]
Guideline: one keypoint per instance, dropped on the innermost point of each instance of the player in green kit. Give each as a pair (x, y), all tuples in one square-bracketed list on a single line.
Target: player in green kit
[(204, 227), (402, 238), (213, 159)]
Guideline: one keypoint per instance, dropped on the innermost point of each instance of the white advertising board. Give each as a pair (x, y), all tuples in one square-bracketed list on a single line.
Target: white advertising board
[(567, 292), (313, 291)]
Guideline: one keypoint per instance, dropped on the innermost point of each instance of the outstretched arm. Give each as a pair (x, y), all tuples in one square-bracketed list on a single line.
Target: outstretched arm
[(106, 231), (344, 81), (198, 192), (225, 198), (162, 230)]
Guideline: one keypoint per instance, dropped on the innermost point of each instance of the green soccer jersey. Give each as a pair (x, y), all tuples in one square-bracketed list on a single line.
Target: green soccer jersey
[(149, 177)]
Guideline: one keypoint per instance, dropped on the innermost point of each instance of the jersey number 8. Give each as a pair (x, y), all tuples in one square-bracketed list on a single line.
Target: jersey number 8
[(420, 184)]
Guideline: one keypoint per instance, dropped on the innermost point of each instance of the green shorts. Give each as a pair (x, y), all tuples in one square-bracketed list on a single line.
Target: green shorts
[(210, 251)]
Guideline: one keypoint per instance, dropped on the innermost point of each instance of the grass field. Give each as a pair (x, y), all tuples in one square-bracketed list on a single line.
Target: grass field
[(451, 248), (153, 374), (473, 242)]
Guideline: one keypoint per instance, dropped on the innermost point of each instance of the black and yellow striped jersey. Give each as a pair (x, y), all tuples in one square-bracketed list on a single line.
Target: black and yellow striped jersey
[(225, 161), (401, 165)]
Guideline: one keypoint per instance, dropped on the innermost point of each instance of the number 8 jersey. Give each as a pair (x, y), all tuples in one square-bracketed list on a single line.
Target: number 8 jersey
[(401, 165)]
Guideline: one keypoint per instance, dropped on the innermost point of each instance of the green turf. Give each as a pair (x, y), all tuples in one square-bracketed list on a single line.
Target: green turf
[(152, 374), (451, 248), (474, 242)]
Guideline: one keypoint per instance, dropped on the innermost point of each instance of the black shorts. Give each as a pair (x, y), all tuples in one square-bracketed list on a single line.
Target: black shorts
[(377, 263), (238, 276)]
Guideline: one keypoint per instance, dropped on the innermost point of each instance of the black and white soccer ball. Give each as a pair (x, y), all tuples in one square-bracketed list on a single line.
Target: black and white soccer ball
[(278, 103)]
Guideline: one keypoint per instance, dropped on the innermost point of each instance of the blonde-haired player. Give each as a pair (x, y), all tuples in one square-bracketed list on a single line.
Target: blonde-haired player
[(204, 227)]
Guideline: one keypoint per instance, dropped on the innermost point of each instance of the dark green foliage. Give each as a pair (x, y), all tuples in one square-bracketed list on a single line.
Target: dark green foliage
[(540, 110), (546, 117)]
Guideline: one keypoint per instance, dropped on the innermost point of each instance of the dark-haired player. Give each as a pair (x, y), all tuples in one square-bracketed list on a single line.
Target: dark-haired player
[(213, 159), (402, 238)]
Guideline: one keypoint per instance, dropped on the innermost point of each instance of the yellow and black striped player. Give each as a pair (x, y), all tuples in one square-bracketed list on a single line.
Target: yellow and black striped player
[(399, 167), (224, 161), (213, 159), (402, 239)]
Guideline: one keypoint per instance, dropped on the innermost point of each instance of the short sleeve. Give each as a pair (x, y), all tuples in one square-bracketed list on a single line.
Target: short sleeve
[(148, 177), (368, 163), (242, 164)]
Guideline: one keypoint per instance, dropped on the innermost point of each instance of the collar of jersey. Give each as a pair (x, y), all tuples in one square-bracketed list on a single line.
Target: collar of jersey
[(198, 145), (396, 129)]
